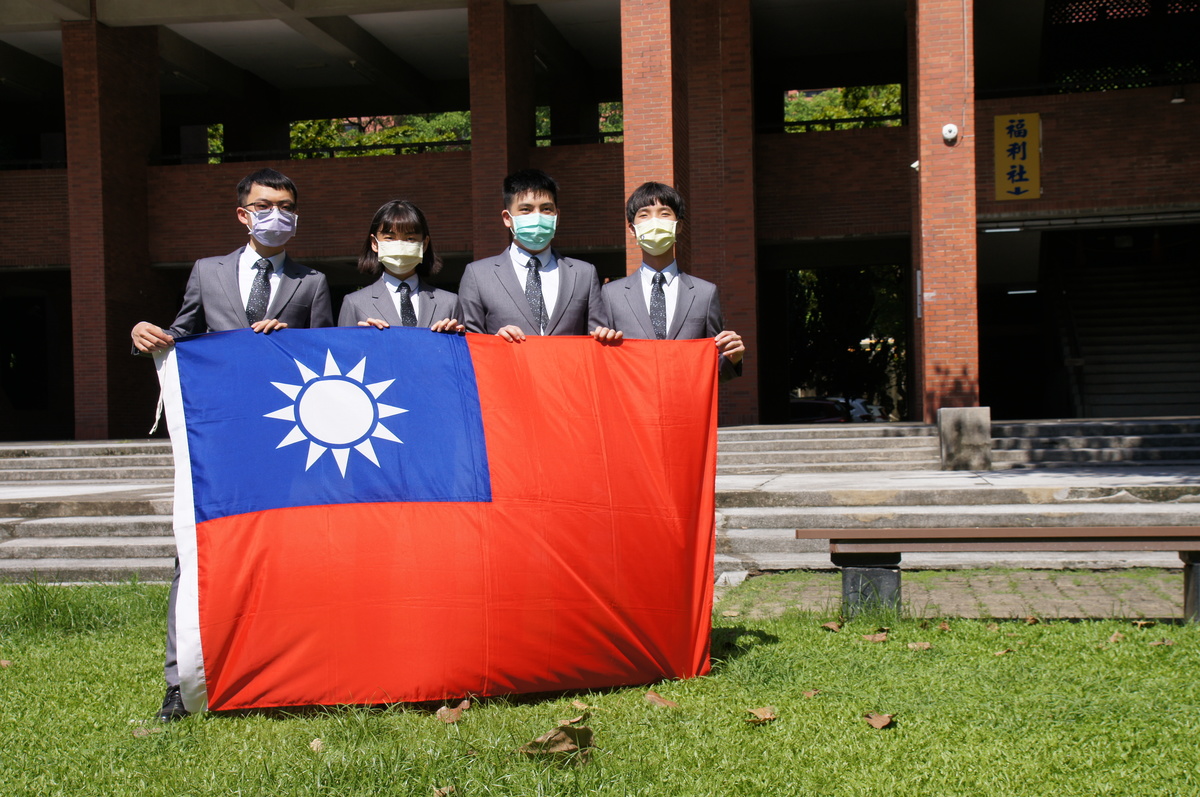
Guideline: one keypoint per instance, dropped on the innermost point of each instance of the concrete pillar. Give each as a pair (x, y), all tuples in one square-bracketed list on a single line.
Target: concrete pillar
[(110, 81), (942, 91), (869, 582), (502, 111), (654, 99), (966, 437)]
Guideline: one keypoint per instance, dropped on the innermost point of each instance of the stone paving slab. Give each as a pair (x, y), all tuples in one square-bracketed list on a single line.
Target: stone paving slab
[(993, 593)]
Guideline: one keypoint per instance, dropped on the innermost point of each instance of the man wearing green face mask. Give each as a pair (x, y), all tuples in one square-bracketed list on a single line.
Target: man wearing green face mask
[(530, 289), (658, 301)]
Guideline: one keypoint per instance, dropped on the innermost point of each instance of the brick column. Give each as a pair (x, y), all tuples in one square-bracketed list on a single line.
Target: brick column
[(654, 98), (110, 81), (942, 91), (502, 124), (720, 230)]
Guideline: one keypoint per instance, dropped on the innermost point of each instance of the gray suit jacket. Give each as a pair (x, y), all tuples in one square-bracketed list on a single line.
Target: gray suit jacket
[(212, 301), (491, 297), (374, 301), (697, 313)]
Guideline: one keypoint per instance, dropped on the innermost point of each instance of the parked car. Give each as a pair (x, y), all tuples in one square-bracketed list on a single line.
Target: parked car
[(819, 410)]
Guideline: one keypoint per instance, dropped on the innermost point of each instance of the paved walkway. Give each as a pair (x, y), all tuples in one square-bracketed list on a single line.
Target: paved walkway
[(1046, 594)]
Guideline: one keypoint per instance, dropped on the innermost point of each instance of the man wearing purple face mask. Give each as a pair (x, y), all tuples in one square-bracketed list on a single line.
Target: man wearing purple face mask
[(256, 285)]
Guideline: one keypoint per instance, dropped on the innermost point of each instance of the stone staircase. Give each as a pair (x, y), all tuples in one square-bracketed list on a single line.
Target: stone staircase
[(827, 448), (110, 460), (756, 527), (1157, 441)]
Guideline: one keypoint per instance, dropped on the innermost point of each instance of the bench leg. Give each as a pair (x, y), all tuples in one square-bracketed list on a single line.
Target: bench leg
[(869, 581), (1191, 585)]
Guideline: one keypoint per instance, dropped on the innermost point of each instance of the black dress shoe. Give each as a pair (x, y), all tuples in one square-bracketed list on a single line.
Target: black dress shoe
[(172, 706)]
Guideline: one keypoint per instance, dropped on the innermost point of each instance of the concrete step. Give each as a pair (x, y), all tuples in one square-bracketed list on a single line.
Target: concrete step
[(1097, 427), (815, 456), (159, 502), (1111, 441), (985, 516), (77, 570), (776, 445), (828, 467), (163, 474), (1097, 456), (87, 526), (1062, 497), (743, 541), (836, 430), (102, 448), (1041, 560), (87, 548), (87, 463)]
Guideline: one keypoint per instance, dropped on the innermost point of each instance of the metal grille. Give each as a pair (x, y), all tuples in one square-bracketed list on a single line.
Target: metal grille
[(1097, 45)]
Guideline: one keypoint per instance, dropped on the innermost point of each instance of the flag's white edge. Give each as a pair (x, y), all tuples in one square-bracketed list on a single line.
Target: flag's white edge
[(193, 687)]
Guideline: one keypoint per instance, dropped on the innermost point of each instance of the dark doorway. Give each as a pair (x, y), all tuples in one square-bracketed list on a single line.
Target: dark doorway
[(36, 375)]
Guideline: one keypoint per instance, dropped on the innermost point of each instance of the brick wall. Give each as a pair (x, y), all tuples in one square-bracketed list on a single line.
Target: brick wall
[(1102, 152), (32, 222)]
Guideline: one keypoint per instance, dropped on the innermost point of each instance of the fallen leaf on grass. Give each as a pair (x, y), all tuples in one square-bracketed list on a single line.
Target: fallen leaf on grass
[(443, 792), (565, 742), (919, 646), (731, 614), (1031, 620), (1163, 642), (317, 745), (761, 715), (832, 626), (880, 637), (878, 721), (450, 715), (943, 626), (993, 627), (575, 720), (812, 693), (1144, 623), (1116, 637), (1012, 634), (142, 733), (579, 704), (656, 699), (1002, 652), (5, 663)]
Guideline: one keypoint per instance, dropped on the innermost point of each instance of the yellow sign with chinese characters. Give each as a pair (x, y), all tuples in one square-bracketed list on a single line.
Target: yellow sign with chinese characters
[(1018, 156)]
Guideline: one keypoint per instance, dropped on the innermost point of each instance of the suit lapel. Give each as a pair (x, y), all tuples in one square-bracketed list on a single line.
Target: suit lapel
[(428, 305), (637, 304), (227, 278), (289, 281), (381, 299), (683, 304), (515, 290), (566, 289)]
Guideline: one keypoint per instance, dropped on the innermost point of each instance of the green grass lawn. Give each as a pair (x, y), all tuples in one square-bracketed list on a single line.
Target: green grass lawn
[(1066, 710)]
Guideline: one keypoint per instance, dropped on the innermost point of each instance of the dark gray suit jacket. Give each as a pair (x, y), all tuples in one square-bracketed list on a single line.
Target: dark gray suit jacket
[(375, 301), (697, 313), (491, 296), (213, 302)]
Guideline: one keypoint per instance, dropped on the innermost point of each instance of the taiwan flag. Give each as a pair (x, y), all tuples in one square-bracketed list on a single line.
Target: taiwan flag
[(373, 516)]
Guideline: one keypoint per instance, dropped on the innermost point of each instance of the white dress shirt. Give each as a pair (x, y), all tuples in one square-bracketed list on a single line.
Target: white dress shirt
[(247, 272), (547, 269), (393, 284), (670, 287)]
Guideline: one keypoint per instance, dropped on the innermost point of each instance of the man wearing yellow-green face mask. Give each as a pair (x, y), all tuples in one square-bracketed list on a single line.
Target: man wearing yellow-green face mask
[(658, 301)]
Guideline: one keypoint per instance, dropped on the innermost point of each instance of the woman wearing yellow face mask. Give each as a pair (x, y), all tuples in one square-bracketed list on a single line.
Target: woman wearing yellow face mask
[(398, 251)]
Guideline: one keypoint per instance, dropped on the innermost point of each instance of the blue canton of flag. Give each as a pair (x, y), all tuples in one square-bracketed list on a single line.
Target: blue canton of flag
[(342, 415)]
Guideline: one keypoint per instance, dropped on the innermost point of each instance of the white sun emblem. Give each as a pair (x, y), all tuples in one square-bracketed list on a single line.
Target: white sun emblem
[(336, 412)]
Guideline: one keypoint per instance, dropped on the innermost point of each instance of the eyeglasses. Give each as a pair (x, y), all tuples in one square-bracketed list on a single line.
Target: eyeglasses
[(262, 204)]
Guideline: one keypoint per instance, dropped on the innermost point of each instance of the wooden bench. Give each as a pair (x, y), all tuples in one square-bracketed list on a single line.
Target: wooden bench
[(870, 558)]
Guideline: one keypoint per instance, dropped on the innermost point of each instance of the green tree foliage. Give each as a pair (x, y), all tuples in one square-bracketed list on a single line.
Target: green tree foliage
[(838, 104), (848, 330), (379, 135)]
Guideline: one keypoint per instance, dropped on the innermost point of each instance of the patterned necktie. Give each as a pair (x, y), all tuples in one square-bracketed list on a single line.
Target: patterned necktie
[(533, 294), (260, 292), (658, 307), (408, 315)]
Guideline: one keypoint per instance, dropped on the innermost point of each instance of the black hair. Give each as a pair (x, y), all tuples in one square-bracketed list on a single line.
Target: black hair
[(529, 181), (652, 193), (398, 216), (269, 178)]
